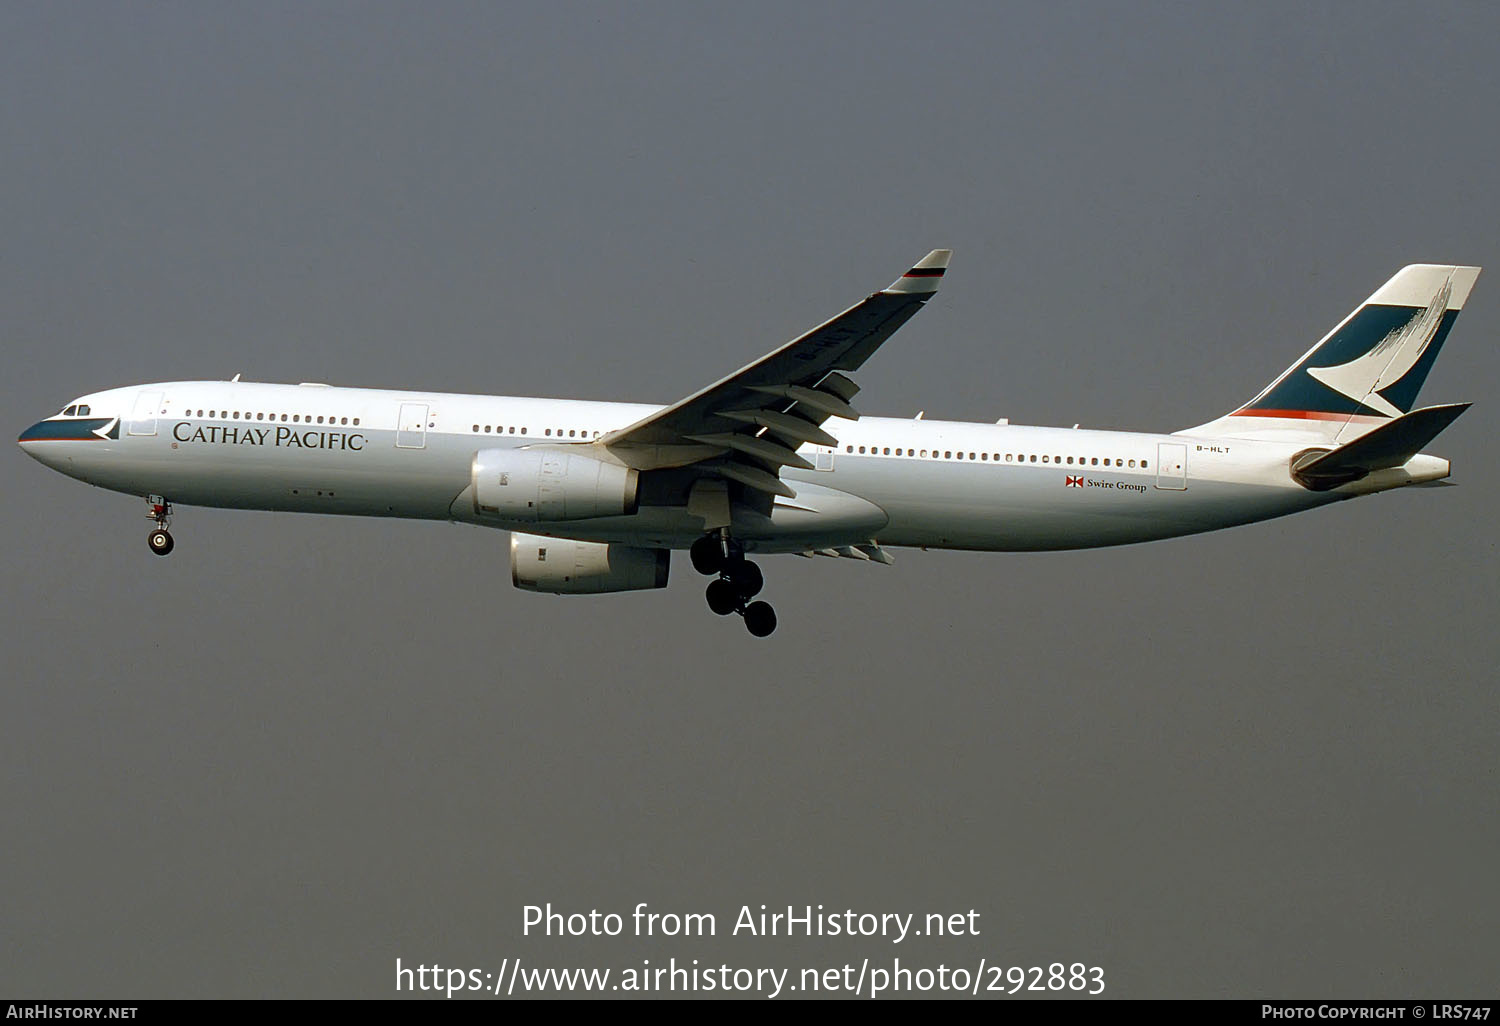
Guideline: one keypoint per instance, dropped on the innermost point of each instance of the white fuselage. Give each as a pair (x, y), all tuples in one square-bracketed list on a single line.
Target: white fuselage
[(928, 483)]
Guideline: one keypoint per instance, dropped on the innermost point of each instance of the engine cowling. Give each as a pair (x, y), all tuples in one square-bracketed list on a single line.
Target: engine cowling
[(548, 485), (561, 566)]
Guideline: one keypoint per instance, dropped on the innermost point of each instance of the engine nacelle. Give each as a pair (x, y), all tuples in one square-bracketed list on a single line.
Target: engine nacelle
[(548, 485), (561, 566)]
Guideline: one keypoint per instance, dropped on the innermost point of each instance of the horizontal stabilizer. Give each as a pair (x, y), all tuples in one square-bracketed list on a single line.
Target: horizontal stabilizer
[(1390, 445)]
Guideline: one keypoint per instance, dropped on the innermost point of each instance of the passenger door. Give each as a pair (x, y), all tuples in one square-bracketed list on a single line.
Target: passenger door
[(143, 417), (1171, 466), (411, 426)]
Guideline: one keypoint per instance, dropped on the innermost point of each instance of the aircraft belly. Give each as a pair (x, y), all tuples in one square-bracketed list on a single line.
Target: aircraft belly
[(1032, 509)]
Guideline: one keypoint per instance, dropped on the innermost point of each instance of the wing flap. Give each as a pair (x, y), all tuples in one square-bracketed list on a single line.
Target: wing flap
[(757, 446), (815, 399), (752, 477), (790, 427)]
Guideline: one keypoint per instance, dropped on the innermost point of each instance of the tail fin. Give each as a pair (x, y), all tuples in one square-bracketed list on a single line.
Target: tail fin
[(1365, 371)]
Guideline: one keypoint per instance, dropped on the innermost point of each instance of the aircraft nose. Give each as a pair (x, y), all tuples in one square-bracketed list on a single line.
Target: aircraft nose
[(32, 435), (54, 442)]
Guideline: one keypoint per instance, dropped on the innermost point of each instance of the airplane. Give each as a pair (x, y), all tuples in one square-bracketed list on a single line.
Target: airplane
[(774, 458)]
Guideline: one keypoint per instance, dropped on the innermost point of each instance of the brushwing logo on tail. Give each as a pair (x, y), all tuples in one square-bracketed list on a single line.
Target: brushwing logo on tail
[(1363, 377)]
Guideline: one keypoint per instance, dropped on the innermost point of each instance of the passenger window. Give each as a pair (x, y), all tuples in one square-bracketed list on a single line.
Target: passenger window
[(513, 430), (888, 451), (947, 454), (1095, 461), (1033, 459), (1044, 459), (1132, 463), (849, 448), (861, 450), (572, 433), (356, 422), (1143, 464), (984, 456), (924, 454)]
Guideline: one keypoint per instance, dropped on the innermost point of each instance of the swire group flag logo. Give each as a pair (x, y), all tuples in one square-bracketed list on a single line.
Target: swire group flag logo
[(1073, 482)]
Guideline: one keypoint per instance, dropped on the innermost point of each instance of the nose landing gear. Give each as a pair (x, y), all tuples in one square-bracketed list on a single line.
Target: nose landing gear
[(159, 510), (739, 580)]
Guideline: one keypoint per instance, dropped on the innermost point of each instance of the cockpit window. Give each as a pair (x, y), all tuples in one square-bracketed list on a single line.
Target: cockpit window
[(83, 411), (70, 411)]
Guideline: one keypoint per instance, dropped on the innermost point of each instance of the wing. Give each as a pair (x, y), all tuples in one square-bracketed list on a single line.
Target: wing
[(748, 426)]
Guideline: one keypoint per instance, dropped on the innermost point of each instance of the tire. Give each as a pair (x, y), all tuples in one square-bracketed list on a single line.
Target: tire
[(160, 542), (747, 578), (760, 619), (722, 598), (707, 556)]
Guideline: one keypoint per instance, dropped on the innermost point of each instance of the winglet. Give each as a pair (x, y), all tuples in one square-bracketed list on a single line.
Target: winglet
[(924, 277)]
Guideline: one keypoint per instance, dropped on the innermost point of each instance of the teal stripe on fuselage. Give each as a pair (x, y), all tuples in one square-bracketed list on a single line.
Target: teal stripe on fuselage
[(70, 430)]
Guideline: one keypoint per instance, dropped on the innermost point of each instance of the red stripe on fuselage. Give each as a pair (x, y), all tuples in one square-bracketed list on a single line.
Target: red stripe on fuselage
[(1307, 415)]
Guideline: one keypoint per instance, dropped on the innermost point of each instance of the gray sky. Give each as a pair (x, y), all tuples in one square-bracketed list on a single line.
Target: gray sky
[(1259, 762)]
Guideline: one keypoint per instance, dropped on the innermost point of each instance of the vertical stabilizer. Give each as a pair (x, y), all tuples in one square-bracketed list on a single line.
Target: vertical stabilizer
[(1367, 370)]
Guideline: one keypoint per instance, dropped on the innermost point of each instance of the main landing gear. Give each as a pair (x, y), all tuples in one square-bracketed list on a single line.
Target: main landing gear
[(739, 581), (159, 510)]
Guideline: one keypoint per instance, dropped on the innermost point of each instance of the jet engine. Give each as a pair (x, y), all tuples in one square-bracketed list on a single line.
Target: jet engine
[(547, 485), (561, 566)]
